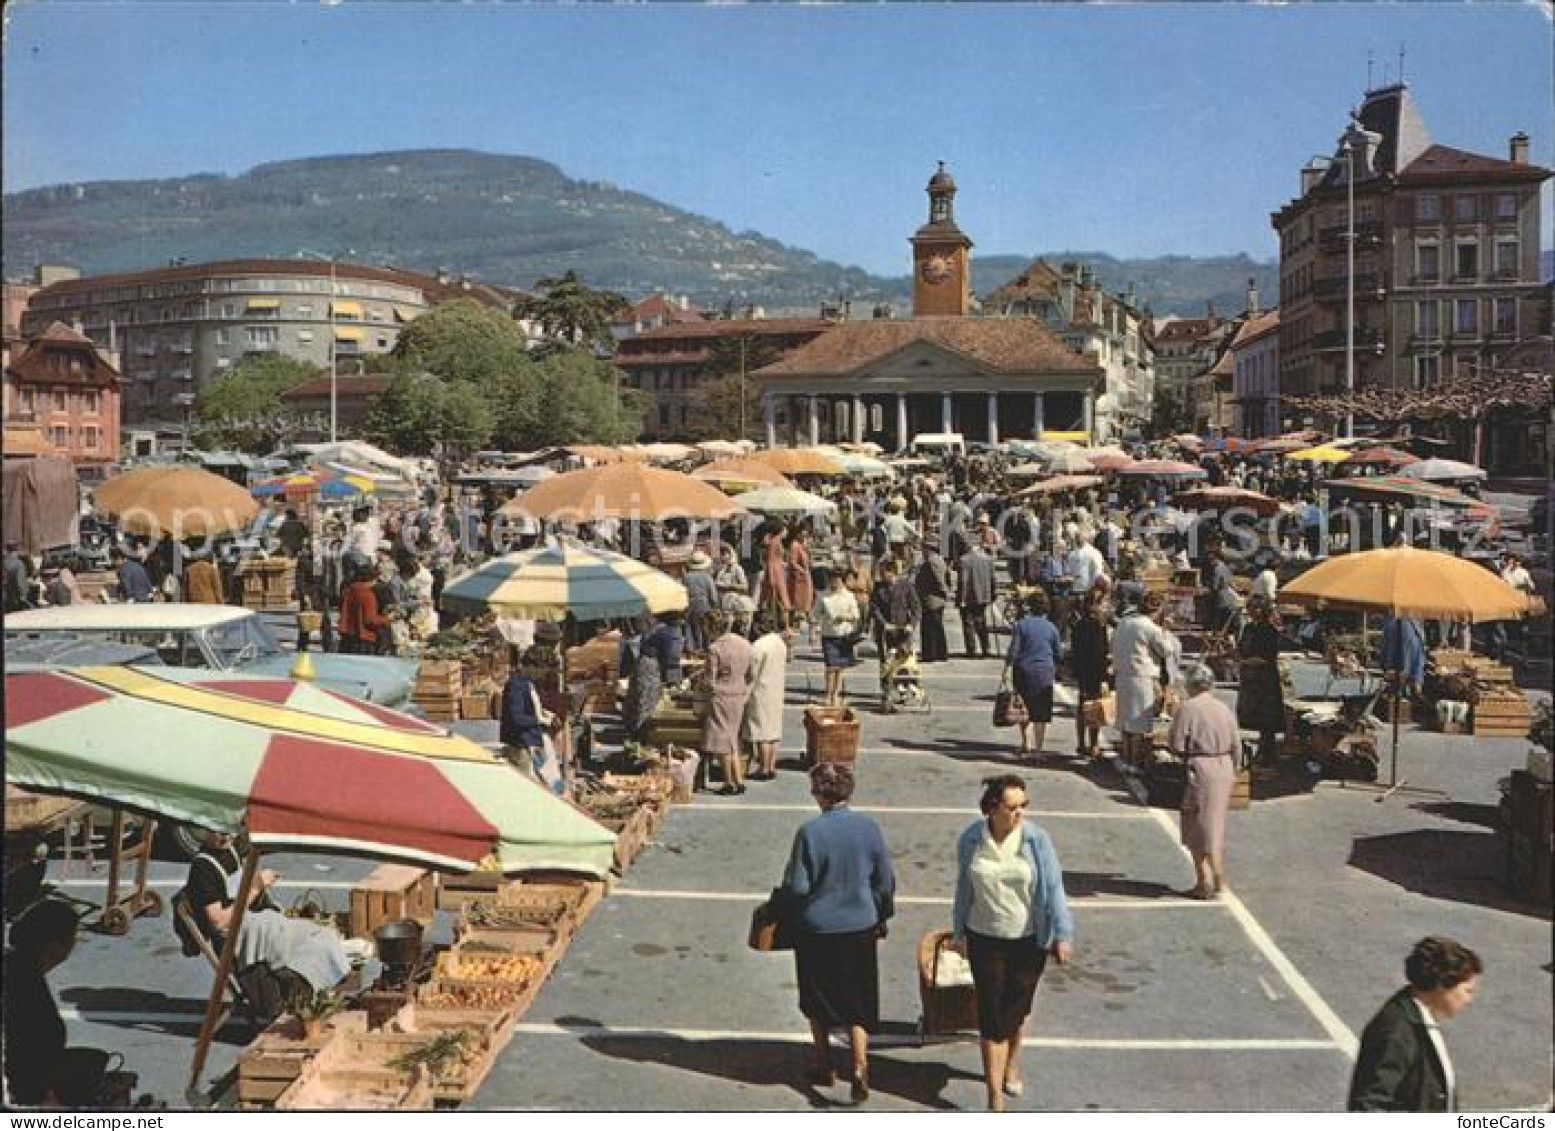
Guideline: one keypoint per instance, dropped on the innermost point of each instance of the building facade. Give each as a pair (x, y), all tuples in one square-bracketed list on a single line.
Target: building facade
[(62, 391), (178, 327), (1446, 256), (887, 380), (673, 363), (1109, 328), (1255, 379)]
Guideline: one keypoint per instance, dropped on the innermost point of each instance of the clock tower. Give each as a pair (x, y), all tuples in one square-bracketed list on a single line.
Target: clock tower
[(941, 256)]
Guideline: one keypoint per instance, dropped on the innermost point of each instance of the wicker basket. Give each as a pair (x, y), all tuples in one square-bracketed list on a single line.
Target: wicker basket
[(951, 1009), (831, 734)]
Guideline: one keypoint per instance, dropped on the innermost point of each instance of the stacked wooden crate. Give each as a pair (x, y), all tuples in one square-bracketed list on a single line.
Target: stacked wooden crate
[(439, 688), (1499, 712), (268, 583), (96, 586), (392, 892), (278, 1056)]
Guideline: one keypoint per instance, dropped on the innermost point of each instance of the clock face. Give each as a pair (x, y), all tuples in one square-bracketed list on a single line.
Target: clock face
[(938, 268)]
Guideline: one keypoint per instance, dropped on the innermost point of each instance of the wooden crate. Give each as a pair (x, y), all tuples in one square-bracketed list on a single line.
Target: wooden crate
[(632, 838), (480, 703), (391, 892), (831, 734), (278, 1056), (531, 939), (496, 1024), (468, 993), (1242, 790), (372, 1052), (334, 1088), (1500, 714)]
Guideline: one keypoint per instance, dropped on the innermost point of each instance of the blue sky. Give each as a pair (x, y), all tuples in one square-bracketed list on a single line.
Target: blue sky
[(1129, 129)]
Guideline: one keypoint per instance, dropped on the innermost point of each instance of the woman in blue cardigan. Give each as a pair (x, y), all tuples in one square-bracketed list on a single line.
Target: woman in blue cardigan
[(839, 887), (1011, 915)]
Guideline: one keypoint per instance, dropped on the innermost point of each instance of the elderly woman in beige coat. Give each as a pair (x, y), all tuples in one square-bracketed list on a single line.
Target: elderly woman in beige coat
[(763, 727), (728, 679)]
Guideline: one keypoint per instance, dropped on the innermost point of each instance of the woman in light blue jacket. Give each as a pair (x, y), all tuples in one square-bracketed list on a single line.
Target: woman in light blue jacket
[(1011, 915)]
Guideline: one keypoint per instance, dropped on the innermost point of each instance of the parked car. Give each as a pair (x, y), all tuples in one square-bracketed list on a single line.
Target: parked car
[(223, 638)]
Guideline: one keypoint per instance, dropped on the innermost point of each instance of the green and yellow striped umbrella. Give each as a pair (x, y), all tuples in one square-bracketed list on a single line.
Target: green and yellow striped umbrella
[(552, 582)]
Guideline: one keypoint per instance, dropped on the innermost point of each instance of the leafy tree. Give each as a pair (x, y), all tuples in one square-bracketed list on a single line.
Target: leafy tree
[(243, 407), (728, 403), (464, 342), (421, 414), (565, 308), (581, 400)]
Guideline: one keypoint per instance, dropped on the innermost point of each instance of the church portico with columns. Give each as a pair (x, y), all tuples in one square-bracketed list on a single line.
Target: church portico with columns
[(943, 370)]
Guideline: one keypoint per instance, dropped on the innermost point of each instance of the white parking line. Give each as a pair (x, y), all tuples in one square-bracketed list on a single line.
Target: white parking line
[(1100, 903), (890, 810), (543, 1029), (1338, 1032)]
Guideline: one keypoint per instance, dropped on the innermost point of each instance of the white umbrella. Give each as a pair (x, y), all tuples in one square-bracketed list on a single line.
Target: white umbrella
[(859, 465), (718, 448), (1442, 471), (669, 453), (786, 500), (1027, 471), (1067, 461)]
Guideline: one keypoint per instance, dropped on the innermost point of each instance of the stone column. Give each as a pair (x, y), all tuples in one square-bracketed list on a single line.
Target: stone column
[(814, 420), (858, 418), (946, 414), (901, 422), (1039, 410), (769, 418), (1089, 418), (993, 418)]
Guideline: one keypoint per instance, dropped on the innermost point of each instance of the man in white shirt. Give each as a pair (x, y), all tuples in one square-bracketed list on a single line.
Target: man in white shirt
[(1085, 564)]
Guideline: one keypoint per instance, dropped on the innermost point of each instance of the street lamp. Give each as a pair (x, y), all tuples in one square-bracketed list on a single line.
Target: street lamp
[(334, 373)]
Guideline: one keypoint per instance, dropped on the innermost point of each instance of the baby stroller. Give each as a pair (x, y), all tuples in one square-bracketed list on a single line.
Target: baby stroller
[(901, 679)]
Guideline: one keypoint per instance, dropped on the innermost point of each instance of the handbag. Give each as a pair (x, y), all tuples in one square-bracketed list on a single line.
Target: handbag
[(771, 923), (1009, 709)]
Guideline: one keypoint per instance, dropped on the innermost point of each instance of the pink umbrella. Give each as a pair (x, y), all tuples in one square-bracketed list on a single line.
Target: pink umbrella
[(1164, 469)]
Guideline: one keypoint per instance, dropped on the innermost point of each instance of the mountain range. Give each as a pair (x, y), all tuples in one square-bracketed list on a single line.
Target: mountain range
[(511, 220)]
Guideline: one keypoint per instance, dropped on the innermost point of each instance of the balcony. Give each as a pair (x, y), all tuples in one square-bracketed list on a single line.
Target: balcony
[(1367, 338), (1368, 287), (1368, 233)]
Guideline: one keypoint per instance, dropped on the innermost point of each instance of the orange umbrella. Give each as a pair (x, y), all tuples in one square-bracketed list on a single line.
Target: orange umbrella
[(625, 491), (1408, 583), (1383, 457), (799, 461), (181, 501), (733, 472)]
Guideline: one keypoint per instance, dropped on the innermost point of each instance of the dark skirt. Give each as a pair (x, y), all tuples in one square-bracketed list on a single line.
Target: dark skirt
[(1038, 699), (1006, 973), (837, 652), (1260, 699), (839, 979)]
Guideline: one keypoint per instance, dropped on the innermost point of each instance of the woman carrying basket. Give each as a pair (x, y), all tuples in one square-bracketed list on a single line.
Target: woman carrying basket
[(840, 888), (1011, 914)]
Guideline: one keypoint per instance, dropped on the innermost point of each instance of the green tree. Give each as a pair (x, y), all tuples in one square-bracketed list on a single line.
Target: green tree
[(1169, 412), (421, 414), (728, 402), (464, 342), (581, 401), (565, 308), (243, 407)]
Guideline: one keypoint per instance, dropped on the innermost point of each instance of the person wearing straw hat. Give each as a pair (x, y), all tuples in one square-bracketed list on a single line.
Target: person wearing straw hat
[(701, 599), (1204, 735)]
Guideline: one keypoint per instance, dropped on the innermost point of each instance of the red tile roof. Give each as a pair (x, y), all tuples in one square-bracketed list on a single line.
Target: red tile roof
[(1255, 328), (1442, 162), (731, 328), (372, 385), (32, 365), (1185, 329), (657, 306), (1008, 345)]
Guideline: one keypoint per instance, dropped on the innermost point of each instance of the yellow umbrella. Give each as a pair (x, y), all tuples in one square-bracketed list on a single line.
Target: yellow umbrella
[(1323, 453), (799, 461), (1408, 583), (630, 491), (181, 501), (729, 473)]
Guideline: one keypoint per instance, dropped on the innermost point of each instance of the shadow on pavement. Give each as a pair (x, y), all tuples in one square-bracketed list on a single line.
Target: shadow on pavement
[(1078, 884), (1464, 812), (769, 1064), (96, 1003), (1465, 867)]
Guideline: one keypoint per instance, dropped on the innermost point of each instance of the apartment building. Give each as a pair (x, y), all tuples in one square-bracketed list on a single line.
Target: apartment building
[(61, 397), (1446, 256)]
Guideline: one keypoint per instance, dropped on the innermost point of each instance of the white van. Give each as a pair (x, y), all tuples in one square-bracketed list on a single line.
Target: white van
[(938, 444)]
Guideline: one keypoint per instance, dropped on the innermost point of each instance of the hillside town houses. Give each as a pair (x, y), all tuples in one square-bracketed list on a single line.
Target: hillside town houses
[(1445, 280)]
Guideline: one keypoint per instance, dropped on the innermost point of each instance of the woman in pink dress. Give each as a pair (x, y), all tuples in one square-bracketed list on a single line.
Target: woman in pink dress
[(774, 575), (801, 588)]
